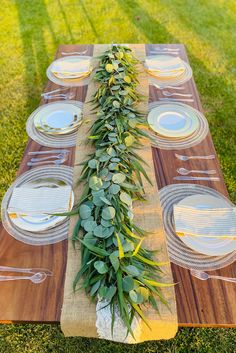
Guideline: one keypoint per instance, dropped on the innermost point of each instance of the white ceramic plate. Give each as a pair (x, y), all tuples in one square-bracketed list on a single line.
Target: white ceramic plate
[(41, 222), (58, 118), (172, 120), (204, 245), (171, 78), (69, 80)]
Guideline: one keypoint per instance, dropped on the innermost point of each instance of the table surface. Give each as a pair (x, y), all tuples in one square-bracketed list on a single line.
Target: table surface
[(199, 303)]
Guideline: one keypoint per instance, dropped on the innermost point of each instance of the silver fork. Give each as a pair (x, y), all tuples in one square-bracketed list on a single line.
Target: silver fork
[(56, 162), (166, 49), (205, 276), (164, 52)]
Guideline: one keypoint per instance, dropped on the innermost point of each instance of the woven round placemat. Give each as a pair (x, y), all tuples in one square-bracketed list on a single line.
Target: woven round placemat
[(67, 140), (179, 253), (180, 143), (67, 82), (52, 235)]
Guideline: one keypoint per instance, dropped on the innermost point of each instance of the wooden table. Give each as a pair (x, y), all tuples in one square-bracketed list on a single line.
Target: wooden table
[(209, 303)]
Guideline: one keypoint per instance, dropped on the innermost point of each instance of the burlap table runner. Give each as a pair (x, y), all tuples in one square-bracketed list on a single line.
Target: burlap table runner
[(78, 316)]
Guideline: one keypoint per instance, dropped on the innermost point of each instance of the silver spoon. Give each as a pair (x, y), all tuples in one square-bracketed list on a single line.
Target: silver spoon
[(186, 158), (204, 276), (60, 155), (184, 171), (169, 94), (36, 278)]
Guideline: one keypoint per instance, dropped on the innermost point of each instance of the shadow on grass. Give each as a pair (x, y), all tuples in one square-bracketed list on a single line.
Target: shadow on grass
[(220, 107), (33, 21)]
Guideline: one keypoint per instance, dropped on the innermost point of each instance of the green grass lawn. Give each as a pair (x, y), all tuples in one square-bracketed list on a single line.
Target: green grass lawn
[(30, 32)]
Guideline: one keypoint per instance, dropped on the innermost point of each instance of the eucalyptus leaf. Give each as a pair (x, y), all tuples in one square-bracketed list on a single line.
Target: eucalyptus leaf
[(124, 197), (108, 213), (114, 189), (95, 183), (85, 211), (99, 231), (101, 267), (127, 283), (93, 163), (89, 226), (114, 261), (118, 178), (132, 270)]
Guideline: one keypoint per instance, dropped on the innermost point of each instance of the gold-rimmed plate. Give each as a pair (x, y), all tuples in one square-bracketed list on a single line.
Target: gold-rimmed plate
[(41, 222), (173, 121), (58, 118)]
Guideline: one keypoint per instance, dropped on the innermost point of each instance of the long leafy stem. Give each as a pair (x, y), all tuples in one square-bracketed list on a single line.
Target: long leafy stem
[(114, 265)]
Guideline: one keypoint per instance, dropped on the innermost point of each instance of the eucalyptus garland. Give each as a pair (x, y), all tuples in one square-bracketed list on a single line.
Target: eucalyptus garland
[(115, 267)]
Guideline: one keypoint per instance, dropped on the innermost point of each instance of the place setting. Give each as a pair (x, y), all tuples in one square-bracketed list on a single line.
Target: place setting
[(176, 125), (32, 205), (56, 124), (70, 70), (200, 226), (166, 70)]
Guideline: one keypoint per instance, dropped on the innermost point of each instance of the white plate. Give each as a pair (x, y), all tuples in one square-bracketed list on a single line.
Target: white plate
[(172, 120), (41, 222), (69, 80), (172, 79), (204, 245), (58, 118)]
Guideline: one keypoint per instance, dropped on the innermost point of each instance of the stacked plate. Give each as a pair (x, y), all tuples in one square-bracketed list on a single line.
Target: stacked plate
[(58, 118), (39, 228), (166, 70), (70, 70), (173, 120), (213, 246)]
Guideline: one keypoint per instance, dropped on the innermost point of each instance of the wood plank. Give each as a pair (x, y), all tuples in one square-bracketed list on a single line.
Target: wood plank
[(199, 303), (22, 300)]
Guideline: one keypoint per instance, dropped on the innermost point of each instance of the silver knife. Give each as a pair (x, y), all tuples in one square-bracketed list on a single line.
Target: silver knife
[(196, 178)]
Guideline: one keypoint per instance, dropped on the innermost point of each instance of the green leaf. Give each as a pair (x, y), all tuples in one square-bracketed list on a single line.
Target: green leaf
[(93, 163), (132, 270), (95, 288), (108, 213), (99, 231), (116, 104), (114, 261), (85, 211), (124, 197), (94, 248), (95, 183), (101, 267), (89, 226), (127, 283), (110, 292), (133, 296), (105, 200), (114, 189), (105, 224), (118, 178)]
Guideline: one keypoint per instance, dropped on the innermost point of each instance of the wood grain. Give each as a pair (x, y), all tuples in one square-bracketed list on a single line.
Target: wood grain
[(209, 303), (199, 303), (22, 301)]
